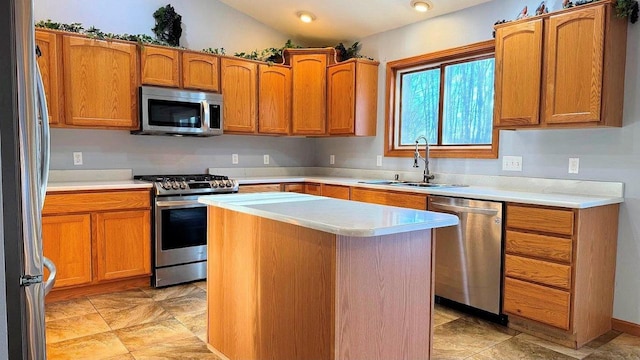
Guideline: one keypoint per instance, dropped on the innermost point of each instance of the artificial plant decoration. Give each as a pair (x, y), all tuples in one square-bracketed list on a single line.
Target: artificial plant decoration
[(351, 52), (627, 8), (168, 25)]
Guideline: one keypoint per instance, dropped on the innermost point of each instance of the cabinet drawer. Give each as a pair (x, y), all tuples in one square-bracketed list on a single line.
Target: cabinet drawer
[(558, 221), (335, 191), (259, 188), (297, 188), (536, 302), (313, 189), (390, 198), (95, 201), (538, 271), (541, 246)]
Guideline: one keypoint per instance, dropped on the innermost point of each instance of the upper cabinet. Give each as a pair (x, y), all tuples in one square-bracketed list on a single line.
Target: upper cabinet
[(160, 66), (239, 90), (101, 83), (564, 69), (352, 98), (518, 74), (274, 96), (49, 63), (308, 111), (200, 71)]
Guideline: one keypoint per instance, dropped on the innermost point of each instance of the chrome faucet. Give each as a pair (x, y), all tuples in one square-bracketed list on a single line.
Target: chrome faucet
[(416, 155)]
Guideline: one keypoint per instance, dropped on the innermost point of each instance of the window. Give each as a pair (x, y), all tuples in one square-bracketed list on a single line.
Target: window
[(448, 98)]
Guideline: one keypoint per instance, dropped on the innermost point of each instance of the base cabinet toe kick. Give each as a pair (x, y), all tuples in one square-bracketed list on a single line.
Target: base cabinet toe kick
[(281, 290)]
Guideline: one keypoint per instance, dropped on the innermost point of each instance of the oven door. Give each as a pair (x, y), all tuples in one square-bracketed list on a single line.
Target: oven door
[(180, 230)]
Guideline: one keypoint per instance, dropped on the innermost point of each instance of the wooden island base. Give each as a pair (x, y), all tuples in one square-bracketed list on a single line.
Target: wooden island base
[(283, 291)]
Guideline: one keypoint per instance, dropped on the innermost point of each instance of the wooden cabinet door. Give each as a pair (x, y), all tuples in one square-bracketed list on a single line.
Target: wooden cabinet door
[(518, 74), (49, 69), (123, 244), (239, 90), (341, 84), (160, 66), (274, 113), (200, 71), (66, 240), (100, 83), (574, 66), (309, 94)]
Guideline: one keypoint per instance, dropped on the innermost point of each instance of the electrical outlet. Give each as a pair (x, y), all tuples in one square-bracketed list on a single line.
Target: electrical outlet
[(332, 159), (512, 163), (77, 158), (234, 158), (266, 159), (379, 160), (574, 165)]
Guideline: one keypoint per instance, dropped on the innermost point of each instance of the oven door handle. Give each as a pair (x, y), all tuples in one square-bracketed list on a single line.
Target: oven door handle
[(179, 204)]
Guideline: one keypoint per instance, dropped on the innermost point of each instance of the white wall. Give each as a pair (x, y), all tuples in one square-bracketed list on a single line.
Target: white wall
[(205, 23), (605, 154)]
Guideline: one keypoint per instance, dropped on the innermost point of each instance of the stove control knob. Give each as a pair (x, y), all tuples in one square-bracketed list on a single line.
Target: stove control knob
[(183, 185), (166, 185), (214, 184), (228, 183), (175, 185)]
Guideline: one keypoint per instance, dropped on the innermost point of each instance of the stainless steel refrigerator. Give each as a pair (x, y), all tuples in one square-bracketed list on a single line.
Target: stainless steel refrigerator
[(24, 156)]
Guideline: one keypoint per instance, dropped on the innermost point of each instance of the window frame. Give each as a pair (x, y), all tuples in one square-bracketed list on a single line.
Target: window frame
[(480, 50)]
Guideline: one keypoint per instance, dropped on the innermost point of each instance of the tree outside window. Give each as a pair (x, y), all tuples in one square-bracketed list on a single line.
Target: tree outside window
[(448, 97)]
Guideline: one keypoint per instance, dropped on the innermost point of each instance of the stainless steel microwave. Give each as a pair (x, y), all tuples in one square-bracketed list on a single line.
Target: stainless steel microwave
[(165, 111)]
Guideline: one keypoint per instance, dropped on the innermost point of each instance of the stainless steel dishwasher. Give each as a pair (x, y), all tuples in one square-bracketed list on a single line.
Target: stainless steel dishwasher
[(468, 258)]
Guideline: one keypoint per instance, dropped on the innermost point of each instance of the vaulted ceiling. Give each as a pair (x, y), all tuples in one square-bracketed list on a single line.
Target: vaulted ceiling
[(342, 20)]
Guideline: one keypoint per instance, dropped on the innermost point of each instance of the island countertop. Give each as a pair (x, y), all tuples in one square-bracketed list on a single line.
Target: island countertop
[(340, 217)]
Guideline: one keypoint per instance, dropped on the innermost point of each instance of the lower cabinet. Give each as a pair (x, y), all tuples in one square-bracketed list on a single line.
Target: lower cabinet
[(559, 271), (67, 242), (99, 241), (120, 244), (336, 191)]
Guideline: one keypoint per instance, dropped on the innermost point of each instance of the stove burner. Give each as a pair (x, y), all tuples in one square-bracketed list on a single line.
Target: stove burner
[(190, 184)]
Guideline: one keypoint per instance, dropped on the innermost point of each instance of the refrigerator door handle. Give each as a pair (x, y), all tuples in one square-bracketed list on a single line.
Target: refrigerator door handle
[(53, 272), (45, 139)]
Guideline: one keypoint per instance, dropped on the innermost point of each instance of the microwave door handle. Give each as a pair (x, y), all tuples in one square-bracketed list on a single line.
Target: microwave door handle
[(206, 116)]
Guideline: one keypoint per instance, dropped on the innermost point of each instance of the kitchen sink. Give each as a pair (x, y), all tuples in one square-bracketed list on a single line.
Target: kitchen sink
[(427, 185), (408, 183), (380, 182)]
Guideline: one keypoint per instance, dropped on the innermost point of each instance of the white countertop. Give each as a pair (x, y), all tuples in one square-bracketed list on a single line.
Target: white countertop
[(575, 201), (340, 217), (97, 185)]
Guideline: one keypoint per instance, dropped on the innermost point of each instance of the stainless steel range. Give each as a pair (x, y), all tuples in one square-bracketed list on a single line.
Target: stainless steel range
[(179, 226)]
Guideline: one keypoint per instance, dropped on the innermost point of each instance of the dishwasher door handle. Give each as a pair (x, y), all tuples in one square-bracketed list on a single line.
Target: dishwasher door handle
[(465, 209)]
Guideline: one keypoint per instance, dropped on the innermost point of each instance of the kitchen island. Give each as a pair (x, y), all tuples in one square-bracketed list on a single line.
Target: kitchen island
[(294, 276)]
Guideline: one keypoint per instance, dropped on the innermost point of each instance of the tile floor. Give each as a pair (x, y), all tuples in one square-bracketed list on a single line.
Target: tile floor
[(170, 323)]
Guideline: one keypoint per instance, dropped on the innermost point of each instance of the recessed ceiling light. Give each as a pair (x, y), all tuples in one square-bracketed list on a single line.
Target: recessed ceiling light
[(422, 6), (305, 16)]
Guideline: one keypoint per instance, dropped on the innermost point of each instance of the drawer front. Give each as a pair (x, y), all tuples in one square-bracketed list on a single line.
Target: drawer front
[(390, 198), (58, 203), (313, 189), (259, 188), (558, 221), (540, 246), (297, 188), (336, 191), (538, 271), (536, 302)]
